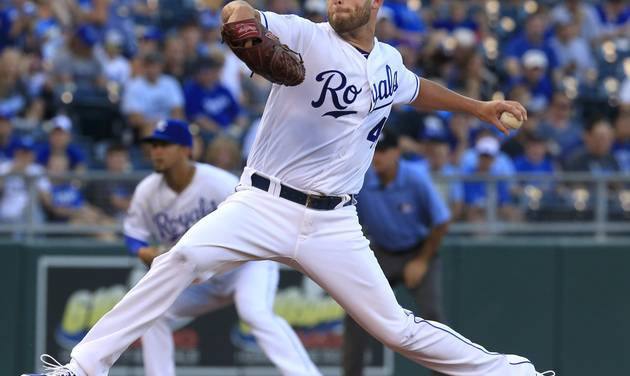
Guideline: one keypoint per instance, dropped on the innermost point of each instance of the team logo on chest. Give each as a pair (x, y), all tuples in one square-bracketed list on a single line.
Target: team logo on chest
[(383, 90), (341, 94), (173, 225)]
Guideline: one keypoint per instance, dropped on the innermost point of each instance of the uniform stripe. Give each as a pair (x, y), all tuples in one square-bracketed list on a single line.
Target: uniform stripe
[(417, 90)]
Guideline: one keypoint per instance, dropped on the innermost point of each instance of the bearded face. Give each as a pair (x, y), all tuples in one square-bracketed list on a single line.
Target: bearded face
[(349, 15)]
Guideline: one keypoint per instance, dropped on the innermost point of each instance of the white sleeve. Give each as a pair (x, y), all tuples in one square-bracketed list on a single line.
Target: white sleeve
[(176, 96), (624, 93), (408, 86), (292, 30), (136, 223), (132, 99)]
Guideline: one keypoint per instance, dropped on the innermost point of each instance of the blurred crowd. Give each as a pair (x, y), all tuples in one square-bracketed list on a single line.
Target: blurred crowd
[(82, 81)]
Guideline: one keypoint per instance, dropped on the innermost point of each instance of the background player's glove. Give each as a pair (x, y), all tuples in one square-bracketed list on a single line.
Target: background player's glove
[(263, 53)]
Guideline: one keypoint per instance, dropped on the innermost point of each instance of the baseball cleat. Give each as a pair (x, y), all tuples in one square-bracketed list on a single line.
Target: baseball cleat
[(52, 368)]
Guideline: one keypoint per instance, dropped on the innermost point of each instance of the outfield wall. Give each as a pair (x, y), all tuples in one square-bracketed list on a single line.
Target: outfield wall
[(564, 303)]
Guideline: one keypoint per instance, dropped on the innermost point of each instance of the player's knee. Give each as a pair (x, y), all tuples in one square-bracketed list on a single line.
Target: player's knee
[(255, 317), (398, 337)]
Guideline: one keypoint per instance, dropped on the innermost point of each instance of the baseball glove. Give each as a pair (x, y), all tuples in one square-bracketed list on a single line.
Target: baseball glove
[(263, 53)]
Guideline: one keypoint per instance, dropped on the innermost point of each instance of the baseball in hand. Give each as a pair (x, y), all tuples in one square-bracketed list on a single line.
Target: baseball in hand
[(510, 120)]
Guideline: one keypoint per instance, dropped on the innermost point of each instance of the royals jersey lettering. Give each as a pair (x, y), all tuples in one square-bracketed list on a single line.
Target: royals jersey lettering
[(319, 136), (159, 214)]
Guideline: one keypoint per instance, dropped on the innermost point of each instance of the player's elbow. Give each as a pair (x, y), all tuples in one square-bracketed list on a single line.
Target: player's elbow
[(237, 10)]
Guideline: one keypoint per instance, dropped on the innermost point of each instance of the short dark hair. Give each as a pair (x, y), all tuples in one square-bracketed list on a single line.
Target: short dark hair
[(117, 148), (593, 122)]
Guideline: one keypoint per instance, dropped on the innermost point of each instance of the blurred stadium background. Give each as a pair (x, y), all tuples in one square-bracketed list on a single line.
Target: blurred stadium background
[(536, 259)]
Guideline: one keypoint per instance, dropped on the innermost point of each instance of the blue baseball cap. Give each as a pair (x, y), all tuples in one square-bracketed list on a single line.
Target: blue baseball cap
[(435, 130), (24, 143), (171, 131), (6, 114), (152, 33), (87, 34)]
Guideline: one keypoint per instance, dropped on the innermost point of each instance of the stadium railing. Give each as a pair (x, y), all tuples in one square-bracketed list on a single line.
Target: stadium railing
[(567, 203)]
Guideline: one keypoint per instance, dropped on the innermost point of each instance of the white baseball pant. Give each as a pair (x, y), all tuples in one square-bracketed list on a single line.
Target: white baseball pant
[(252, 288), (328, 246)]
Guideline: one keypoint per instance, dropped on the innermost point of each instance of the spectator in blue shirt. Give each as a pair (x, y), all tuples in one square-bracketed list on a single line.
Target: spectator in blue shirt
[(60, 143), (614, 18), (210, 104), (437, 150), (561, 126), (535, 80), (535, 160), (405, 219), (66, 202), (408, 22), (533, 37), (476, 195)]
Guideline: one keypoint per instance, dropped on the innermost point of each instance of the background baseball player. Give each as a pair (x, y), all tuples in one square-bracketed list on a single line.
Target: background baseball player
[(164, 205), (294, 203), (405, 219)]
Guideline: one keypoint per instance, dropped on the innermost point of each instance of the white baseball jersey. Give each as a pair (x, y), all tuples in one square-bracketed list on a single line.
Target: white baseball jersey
[(319, 136), (160, 214)]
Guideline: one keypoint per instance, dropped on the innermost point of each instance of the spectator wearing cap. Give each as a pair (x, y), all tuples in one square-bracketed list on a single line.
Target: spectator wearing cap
[(476, 194), (148, 42), (596, 155), (7, 139), (532, 38), (502, 163), (621, 145), (76, 67), (437, 151), (152, 96), (60, 143), (14, 188), (209, 104), (405, 219), (534, 78), (573, 51), (116, 67)]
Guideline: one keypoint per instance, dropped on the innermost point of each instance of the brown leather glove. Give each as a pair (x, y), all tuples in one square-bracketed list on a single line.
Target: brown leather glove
[(263, 53)]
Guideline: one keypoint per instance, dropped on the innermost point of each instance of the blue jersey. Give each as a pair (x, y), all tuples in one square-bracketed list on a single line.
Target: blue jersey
[(621, 152), (215, 103), (401, 214), (74, 154)]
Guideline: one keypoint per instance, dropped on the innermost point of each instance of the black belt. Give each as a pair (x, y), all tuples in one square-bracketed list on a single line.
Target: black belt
[(308, 200)]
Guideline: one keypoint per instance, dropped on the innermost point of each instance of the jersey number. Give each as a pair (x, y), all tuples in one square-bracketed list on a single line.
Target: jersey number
[(376, 131)]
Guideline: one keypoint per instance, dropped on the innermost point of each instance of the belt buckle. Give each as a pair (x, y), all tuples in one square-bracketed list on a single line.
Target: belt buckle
[(308, 201)]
